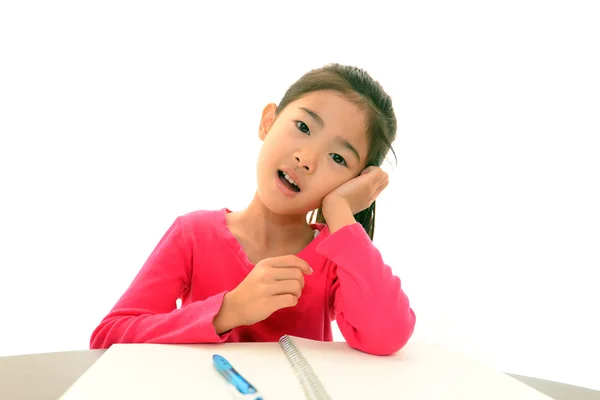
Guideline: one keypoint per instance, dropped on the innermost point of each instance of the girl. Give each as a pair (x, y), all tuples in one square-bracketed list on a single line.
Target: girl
[(260, 273)]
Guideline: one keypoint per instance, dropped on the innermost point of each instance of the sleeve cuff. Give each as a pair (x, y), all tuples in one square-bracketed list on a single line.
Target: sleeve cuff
[(349, 243), (209, 310)]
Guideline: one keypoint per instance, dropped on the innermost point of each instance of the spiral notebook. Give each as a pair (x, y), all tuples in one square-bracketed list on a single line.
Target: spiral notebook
[(293, 369)]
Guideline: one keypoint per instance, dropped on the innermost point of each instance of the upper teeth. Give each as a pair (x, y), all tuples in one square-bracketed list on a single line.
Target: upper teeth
[(289, 178)]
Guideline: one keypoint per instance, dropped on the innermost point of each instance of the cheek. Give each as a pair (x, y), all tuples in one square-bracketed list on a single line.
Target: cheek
[(332, 181), (267, 152)]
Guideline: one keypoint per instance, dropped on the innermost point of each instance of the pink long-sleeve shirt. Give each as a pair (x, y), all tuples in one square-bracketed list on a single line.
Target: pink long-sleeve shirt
[(198, 260)]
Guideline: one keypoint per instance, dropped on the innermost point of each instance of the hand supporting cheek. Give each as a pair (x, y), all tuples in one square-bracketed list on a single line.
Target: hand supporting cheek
[(357, 193)]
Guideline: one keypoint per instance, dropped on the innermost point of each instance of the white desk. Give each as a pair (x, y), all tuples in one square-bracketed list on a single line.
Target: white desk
[(46, 376), (420, 371)]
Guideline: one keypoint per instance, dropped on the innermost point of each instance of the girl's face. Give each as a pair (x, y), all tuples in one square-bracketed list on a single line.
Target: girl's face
[(319, 142)]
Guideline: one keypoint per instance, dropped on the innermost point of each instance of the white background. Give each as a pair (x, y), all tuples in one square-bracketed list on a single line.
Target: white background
[(118, 116)]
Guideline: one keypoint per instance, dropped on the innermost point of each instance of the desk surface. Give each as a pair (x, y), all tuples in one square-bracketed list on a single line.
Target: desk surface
[(46, 376)]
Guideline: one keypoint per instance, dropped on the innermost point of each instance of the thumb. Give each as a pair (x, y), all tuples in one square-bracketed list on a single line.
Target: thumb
[(367, 170)]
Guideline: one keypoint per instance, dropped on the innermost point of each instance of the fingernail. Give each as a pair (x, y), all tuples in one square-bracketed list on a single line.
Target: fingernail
[(310, 269)]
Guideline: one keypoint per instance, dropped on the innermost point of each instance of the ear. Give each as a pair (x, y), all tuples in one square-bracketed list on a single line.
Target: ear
[(267, 119)]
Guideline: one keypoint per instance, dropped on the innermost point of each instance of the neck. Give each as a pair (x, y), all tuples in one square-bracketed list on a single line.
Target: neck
[(270, 228)]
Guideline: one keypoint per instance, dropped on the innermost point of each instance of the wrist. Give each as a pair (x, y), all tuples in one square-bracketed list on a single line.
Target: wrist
[(337, 214), (226, 319), (330, 202)]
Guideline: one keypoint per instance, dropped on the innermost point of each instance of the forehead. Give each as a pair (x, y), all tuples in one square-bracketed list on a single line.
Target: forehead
[(341, 117)]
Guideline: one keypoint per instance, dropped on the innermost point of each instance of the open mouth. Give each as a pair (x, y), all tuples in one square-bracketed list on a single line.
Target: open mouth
[(288, 181)]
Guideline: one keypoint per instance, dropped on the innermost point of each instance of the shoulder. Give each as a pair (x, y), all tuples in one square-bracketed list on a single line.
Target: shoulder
[(199, 216), (200, 222)]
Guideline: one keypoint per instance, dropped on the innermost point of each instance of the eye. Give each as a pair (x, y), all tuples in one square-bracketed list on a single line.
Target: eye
[(338, 159), (302, 127)]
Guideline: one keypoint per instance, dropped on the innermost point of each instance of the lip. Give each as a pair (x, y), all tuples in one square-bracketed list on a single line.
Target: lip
[(283, 188), (293, 175)]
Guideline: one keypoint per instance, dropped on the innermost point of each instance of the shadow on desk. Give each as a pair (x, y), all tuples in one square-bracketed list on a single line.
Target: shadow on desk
[(43, 376), (46, 376)]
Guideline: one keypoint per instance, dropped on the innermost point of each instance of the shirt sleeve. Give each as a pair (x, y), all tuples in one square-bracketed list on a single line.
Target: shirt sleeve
[(370, 307), (147, 311)]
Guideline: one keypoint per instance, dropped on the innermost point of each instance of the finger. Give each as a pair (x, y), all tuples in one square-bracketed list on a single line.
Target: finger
[(377, 189), (381, 176), (381, 188), (290, 261), (370, 169), (376, 177), (383, 182), (287, 287), (379, 179), (286, 274), (380, 185), (375, 183), (283, 301)]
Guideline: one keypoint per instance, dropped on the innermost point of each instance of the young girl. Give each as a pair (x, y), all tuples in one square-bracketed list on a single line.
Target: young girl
[(260, 273)]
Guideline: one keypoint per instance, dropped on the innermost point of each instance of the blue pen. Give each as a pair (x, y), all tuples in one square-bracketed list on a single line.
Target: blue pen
[(241, 387)]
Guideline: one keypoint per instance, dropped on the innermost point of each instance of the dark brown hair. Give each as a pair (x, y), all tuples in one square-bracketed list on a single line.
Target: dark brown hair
[(358, 86)]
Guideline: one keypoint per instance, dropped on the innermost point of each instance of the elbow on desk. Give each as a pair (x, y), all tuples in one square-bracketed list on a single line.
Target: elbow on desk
[(98, 340), (385, 340), (104, 335), (405, 328)]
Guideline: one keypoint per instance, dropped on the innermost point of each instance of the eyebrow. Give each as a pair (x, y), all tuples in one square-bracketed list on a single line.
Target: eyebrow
[(314, 115), (347, 145), (344, 142)]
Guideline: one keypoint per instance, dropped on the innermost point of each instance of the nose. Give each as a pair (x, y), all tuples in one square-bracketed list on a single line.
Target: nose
[(306, 161), (302, 164), (307, 154)]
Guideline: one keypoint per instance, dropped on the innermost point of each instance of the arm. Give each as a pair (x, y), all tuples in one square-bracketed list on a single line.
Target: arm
[(147, 313), (372, 311)]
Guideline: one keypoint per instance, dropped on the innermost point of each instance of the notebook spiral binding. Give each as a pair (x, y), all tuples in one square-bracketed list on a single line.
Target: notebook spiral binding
[(312, 386)]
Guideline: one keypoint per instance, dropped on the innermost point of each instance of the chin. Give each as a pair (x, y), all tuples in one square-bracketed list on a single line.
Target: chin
[(281, 209), (280, 206)]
